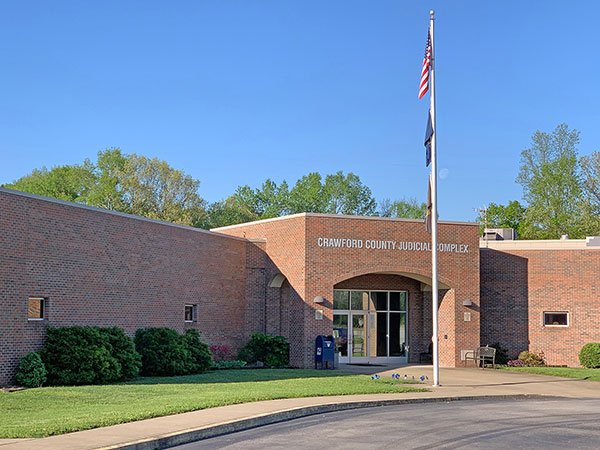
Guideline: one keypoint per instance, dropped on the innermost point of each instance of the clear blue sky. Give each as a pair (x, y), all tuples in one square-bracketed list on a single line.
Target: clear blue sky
[(234, 92)]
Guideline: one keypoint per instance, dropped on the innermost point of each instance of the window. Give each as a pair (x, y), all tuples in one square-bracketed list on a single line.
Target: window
[(556, 319), (190, 313), (36, 308)]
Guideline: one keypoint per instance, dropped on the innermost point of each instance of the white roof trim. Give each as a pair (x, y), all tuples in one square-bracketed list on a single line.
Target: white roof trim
[(549, 244)]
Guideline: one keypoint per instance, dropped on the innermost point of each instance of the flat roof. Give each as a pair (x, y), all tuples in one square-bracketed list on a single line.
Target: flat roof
[(341, 216), (590, 243)]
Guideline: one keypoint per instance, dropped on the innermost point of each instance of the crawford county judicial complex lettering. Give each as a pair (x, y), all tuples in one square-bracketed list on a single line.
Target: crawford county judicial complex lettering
[(374, 244), (365, 280)]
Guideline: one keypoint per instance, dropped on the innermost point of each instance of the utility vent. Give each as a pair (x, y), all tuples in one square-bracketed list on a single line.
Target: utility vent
[(592, 241), (499, 234)]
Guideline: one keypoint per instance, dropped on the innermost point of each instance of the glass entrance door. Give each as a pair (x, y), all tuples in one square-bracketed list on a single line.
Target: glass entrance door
[(371, 327), (358, 345)]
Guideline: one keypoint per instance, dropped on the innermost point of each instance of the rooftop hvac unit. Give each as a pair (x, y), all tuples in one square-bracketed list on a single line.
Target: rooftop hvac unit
[(592, 241), (499, 234)]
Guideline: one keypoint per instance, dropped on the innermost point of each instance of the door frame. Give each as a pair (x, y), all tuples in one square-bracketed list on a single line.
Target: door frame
[(349, 313)]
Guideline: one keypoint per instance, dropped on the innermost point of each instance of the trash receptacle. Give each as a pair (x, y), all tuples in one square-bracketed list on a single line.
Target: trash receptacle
[(324, 352)]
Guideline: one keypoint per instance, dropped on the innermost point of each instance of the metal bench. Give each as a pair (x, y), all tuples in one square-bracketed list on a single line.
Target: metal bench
[(427, 357), (482, 356)]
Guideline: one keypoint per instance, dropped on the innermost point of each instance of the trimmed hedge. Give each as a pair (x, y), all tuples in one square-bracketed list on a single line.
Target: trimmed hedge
[(123, 350), (166, 353), (589, 356), (31, 371), (272, 351), (78, 355), (201, 354), (88, 355)]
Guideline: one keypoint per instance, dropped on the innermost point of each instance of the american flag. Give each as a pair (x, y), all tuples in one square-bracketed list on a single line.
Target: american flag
[(424, 87)]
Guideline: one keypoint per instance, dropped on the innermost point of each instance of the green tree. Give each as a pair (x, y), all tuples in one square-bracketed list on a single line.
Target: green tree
[(338, 194), (590, 177), (107, 191), (308, 195), (405, 208), (346, 194), (551, 187), (265, 202), (152, 188), (227, 212), (128, 183), (511, 215), (590, 169), (71, 182)]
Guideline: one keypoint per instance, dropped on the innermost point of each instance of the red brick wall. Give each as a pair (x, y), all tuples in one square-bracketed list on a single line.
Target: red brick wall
[(517, 286), (99, 268), (504, 301), (286, 254), (460, 271), (314, 271)]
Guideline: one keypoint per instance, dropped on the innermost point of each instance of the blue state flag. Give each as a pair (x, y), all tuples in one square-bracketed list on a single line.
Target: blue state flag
[(428, 136)]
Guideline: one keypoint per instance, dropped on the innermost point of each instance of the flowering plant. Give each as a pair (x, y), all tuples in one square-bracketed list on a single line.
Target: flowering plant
[(220, 352), (516, 363)]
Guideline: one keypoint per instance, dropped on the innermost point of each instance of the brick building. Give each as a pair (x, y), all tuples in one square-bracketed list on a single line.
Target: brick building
[(366, 280)]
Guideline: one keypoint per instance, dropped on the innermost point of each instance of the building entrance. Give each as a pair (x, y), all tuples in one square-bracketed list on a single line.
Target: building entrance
[(370, 326)]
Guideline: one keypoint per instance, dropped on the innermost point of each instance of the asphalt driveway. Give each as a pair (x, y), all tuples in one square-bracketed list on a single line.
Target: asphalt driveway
[(555, 423)]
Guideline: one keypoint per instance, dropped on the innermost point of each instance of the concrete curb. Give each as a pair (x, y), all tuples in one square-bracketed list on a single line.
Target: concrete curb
[(197, 434)]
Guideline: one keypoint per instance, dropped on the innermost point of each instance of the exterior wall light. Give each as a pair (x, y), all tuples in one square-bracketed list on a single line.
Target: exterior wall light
[(467, 303), (319, 299)]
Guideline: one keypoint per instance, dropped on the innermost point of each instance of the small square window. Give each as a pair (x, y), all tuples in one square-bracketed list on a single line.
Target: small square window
[(556, 319), (36, 308), (190, 313)]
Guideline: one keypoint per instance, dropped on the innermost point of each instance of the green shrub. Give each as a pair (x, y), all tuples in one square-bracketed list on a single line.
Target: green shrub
[(31, 371), (531, 359), (79, 355), (201, 354), (273, 351), (164, 352), (123, 350), (589, 356)]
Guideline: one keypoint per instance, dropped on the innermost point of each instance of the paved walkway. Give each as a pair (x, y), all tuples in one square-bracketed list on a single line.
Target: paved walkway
[(170, 430)]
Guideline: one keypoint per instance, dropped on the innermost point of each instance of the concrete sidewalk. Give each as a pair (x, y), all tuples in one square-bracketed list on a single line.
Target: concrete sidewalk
[(456, 384)]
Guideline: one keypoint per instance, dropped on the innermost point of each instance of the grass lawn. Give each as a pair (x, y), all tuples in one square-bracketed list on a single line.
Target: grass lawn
[(567, 372), (56, 410)]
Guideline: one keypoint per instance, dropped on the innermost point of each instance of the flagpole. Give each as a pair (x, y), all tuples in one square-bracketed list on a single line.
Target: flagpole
[(434, 219)]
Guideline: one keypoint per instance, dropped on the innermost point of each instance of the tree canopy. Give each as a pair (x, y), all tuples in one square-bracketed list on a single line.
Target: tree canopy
[(405, 208), (337, 193), (128, 183), (149, 187), (551, 188), (511, 215), (560, 190)]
